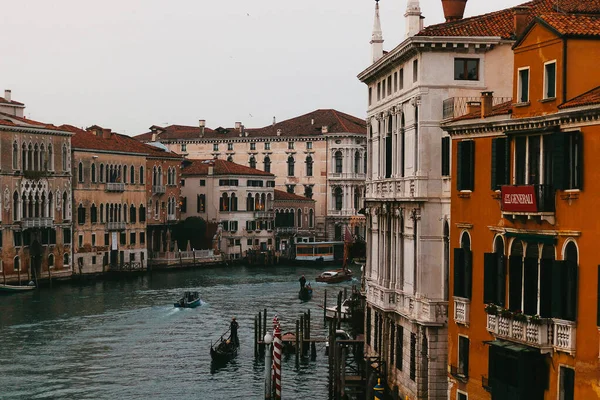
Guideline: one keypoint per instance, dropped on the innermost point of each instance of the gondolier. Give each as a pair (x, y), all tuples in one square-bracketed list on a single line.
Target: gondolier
[(302, 282), (233, 327)]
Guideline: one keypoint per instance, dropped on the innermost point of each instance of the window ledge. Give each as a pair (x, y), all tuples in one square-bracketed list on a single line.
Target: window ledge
[(522, 104), (570, 194), (547, 100), (496, 195), (464, 194)]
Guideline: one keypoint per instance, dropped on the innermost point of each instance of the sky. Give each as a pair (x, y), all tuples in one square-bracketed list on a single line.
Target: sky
[(130, 64)]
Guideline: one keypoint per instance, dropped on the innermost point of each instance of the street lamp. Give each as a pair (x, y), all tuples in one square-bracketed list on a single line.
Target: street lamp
[(268, 363)]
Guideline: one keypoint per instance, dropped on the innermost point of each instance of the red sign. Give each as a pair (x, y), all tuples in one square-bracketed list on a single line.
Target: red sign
[(519, 199)]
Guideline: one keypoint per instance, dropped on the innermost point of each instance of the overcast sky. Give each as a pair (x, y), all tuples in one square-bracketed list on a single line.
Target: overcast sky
[(130, 64)]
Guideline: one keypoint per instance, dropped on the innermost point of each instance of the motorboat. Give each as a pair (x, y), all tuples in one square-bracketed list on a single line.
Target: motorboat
[(305, 293), (331, 312), (16, 288), (189, 300), (335, 276)]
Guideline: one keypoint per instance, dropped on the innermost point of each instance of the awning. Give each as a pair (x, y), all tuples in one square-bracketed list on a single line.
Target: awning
[(532, 237), (510, 346)]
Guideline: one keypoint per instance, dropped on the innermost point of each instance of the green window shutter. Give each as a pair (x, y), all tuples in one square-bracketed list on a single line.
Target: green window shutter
[(490, 275), (579, 164), (559, 167), (515, 264), (459, 272), (506, 161), (460, 166), (494, 185), (546, 288), (471, 161), (501, 280), (570, 291), (446, 156), (557, 285), (468, 265), (530, 285)]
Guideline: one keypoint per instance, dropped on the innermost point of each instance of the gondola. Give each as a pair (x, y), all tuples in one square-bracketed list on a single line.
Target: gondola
[(16, 289), (224, 349), (189, 300), (305, 293)]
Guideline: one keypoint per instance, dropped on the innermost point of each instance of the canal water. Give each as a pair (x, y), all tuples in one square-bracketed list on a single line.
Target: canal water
[(125, 340)]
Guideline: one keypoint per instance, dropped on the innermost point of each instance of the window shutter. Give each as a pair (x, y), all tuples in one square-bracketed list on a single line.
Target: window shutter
[(515, 282), (490, 263), (530, 285), (459, 272), (446, 156), (468, 265), (501, 280), (557, 302), (494, 163), (471, 165), (579, 164), (465, 355), (546, 288), (559, 170), (506, 161), (570, 291), (460, 166)]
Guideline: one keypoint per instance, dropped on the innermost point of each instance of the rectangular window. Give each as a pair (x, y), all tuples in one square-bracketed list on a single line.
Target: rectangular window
[(201, 203), (309, 145), (383, 91), (370, 95), (368, 328), (567, 156), (267, 146), (415, 70), (494, 279), (466, 69), (183, 148), (523, 85), (466, 165), (389, 85), (401, 78), (1, 241), (215, 147), (271, 184), (378, 91), (202, 182), (17, 238), (413, 356), (564, 290), (183, 205), (550, 80), (80, 241), (461, 396), (106, 239), (446, 156), (500, 162), (399, 346), (463, 356), (249, 241), (67, 235), (462, 273), (290, 145), (93, 239), (132, 238), (123, 238), (566, 389), (94, 260), (182, 182), (230, 146), (396, 81), (252, 146), (142, 238)]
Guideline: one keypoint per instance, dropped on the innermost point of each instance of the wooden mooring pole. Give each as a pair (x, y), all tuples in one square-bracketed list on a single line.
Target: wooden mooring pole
[(297, 348), (260, 334), (302, 335), (256, 336), (325, 306), (339, 310)]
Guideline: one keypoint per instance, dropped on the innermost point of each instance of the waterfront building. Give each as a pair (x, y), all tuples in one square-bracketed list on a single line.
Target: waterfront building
[(35, 202), (237, 198), (319, 155), (525, 315), (294, 220), (408, 184)]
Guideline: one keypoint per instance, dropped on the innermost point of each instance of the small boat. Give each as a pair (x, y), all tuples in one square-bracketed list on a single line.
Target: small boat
[(330, 312), (335, 276), (224, 350), (189, 300), (16, 288), (305, 293), (289, 342)]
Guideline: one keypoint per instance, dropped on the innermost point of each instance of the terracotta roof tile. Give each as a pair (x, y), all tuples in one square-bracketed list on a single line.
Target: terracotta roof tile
[(221, 167), (281, 195), (13, 120), (585, 99), (500, 109), (305, 125), (573, 24)]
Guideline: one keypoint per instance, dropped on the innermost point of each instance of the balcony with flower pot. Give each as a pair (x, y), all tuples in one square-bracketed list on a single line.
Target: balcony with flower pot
[(518, 327)]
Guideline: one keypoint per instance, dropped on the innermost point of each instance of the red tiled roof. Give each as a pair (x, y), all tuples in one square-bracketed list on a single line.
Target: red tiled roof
[(87, 140), (500, 109), (281, 195), (501, 23), (15, 103), (585, 99), (221, 167), (305, 125), (13, 120), (573, 24)]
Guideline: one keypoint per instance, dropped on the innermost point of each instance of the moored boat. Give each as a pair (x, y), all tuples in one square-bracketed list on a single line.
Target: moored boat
[(16, 288), (189, 300), (332, 311), (335, 276)]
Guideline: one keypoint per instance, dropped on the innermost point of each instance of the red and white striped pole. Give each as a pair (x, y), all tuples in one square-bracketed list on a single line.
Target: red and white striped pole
[(277, 347), (275, 322)]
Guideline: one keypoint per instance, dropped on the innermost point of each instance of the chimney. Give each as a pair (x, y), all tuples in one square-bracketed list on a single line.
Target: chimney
[(487, 101), (454, 9), (274, 121), (312, 121), (521, 17), (238, 126), (413, 18), (324, 129), (278, 132), (211, 168), (106, 133), (8, 95), (473, 106), (154, 136), (201, 124)]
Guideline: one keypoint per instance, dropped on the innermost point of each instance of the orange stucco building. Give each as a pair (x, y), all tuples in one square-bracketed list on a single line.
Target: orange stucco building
[(524, 274)]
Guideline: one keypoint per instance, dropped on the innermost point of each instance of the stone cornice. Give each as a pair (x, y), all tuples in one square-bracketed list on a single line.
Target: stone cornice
[(34, 130)]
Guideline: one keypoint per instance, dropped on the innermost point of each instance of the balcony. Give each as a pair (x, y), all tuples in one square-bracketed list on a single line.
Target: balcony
[(529, 201), (263, 214), (115, 187), (564, 336), (461, 310), (158, 189), (29, 223), (347, 175), (529, 333), (455, 107), (171, 217), (115, 226), (286, 230)]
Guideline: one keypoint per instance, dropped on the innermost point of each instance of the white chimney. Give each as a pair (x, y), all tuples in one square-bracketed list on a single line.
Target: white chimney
[(324, 129), (8, 95), (312, 121), (154, 136), (274, 121), (238, 126), (278, 132), (202, 123)]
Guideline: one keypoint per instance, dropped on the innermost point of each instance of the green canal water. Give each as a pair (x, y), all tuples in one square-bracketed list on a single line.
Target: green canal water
[(125, 340)]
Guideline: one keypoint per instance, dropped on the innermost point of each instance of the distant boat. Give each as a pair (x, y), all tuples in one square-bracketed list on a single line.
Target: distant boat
[(16, 288), (330, 312), (189, 300), (335, 276), (305, 293)]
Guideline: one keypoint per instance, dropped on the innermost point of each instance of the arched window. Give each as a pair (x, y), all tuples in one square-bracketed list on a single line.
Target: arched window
[(309, 166), (252, 162), (141, 175), (15, 206), (81, 214), (299, 218), (36, 158), (101, 174), (17, 263), (250, 202), (124, 173), (15, 156), (101, 213), (357, 162), (43, 161), (80, 172), (64, 206), (338, 162), (64, 157), (234, 203), (338, 198), (132, 216), (154, 177), (311, 218), (50, 158), (224, 203), (93, 214), (93, 173), (142, 213), (50, 206), (356, 199), (30, 157), (132, 175), (51, 260), (66, 260), (290, 162), (267, 163), (160, 176)]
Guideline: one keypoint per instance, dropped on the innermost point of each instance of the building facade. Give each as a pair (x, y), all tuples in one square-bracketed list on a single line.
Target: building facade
[(525, 315), (35, 205), (238, 198), (294, 221), (298, 151)]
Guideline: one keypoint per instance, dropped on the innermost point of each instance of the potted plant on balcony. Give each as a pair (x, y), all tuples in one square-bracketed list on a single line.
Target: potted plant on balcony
[(520, 317), (491, 309), (505, 313), (535, 319)]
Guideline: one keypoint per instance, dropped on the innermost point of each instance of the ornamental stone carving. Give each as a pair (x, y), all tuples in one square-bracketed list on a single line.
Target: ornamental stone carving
[(6, 198)]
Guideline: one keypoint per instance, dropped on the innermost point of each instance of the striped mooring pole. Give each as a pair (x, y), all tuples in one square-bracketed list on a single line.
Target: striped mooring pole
[(277, 348)]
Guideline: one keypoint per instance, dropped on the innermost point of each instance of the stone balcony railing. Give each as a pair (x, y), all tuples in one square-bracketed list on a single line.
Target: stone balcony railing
[(532, 334), (397, 188), (564, 336), (171, 217), (159, 189), (115, 226), (286, 229), (461, 310), (39, 222), (264, 214), (115, 187), (347, 175)]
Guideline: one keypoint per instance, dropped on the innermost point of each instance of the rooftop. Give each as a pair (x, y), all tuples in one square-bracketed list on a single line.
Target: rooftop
[(281, 195), (586, 99), (221, 167)]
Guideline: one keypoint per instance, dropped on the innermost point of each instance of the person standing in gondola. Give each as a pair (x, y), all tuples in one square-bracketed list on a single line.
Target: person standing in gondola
[(233, 327), (302, 282)]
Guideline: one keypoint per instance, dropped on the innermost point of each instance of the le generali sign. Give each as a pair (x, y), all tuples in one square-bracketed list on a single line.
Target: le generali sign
[(519, 198)]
